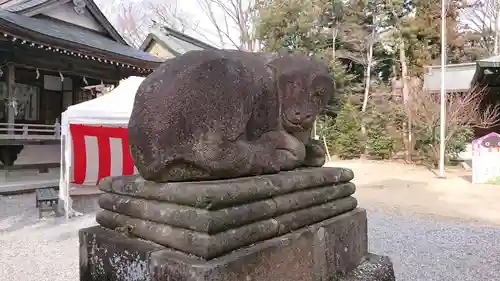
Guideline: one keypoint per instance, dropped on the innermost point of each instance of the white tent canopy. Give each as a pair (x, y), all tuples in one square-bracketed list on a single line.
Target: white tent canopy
[(114, 107), (111, 109)]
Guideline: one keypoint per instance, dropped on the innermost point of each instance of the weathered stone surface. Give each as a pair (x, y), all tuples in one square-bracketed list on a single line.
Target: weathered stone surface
[(214, 195), (230, 114), (211, 222), (297, 256), (287, 258), (373, 268), (182, 216), (311, 197), (191, 242), (344, 252), (106, 255), (304, 217), (299, 225), (211, 246)]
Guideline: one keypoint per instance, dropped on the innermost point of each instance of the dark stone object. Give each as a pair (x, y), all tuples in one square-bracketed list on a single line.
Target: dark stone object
[(9, 154), (230, 114), (334, 249)]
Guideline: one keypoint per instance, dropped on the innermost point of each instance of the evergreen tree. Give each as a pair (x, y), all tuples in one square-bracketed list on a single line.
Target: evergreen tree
[(346, 132), (405, 35)]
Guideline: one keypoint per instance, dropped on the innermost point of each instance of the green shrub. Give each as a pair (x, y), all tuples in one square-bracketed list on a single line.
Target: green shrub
[(458, 142), (346, 132), (379, 143), (427, 143)]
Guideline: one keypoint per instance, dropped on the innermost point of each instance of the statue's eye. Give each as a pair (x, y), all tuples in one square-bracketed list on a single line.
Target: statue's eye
[(320, 92)]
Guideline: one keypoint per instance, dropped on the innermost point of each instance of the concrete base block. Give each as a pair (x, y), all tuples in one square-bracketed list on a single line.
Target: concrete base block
[(334, 249), (300, 225)]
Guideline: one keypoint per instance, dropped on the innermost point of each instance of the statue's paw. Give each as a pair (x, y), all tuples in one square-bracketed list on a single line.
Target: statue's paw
[(287, 160), (287, 145), (315, 156), (318, 161)]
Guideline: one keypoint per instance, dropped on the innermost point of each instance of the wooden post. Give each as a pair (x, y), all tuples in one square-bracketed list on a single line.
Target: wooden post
[(11, 93), (57, 129)]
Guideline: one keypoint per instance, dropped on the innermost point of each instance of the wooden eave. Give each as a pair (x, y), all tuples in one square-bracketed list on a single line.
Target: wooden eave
[(90, 4), (21, 33)]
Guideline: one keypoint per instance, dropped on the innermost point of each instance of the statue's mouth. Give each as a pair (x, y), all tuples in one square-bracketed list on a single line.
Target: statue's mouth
[(291, 126)]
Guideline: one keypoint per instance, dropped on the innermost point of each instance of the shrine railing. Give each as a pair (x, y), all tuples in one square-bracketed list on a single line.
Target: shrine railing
[(18, 131)]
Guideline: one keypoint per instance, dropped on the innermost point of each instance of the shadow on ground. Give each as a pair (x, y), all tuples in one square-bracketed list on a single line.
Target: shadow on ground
[(467, 178)]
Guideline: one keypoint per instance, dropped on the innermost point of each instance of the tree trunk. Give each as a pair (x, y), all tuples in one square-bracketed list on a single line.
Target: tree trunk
[(496, 47), (368, 76), (334, 37), (406, 93), (368, 73)]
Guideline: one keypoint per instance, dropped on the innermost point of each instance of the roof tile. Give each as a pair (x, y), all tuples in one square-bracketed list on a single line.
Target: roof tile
[(19, 5), (75, 34)]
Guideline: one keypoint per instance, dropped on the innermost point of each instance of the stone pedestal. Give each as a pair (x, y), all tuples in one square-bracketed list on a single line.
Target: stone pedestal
[(299, 225)]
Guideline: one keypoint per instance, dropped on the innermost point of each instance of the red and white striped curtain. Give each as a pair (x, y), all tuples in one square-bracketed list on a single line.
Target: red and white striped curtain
[(99, 152)]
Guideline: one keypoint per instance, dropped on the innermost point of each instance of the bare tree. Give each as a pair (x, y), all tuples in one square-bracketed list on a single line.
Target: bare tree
[(233, 21), (132, 23), (133, 19), (482, 18), (171, 15), (463, 111)]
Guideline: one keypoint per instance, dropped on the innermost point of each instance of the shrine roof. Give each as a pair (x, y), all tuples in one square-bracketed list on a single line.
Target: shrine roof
[(16, 6), (176, 42), (74, 38)]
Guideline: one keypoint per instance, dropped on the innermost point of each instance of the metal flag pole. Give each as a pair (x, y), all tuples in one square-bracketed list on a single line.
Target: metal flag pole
[(442, 134)]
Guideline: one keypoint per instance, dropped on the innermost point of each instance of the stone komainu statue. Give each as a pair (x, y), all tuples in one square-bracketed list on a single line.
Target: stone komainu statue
[(225, 114)]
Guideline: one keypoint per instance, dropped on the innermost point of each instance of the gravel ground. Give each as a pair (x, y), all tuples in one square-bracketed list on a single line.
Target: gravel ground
[(436, 249), (422, 249)]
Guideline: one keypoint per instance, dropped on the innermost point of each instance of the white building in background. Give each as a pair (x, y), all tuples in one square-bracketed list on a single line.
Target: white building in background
[(458, 77)]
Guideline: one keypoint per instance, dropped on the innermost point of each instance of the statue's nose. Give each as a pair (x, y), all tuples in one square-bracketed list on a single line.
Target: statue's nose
[(304, 118)]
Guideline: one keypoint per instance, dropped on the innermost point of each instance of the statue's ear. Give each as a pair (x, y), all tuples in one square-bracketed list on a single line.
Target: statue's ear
[(280, 80), (323, 85)]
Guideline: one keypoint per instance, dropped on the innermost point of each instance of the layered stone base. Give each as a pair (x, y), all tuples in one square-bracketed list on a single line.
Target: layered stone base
[(299, 225), (331, 250)]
